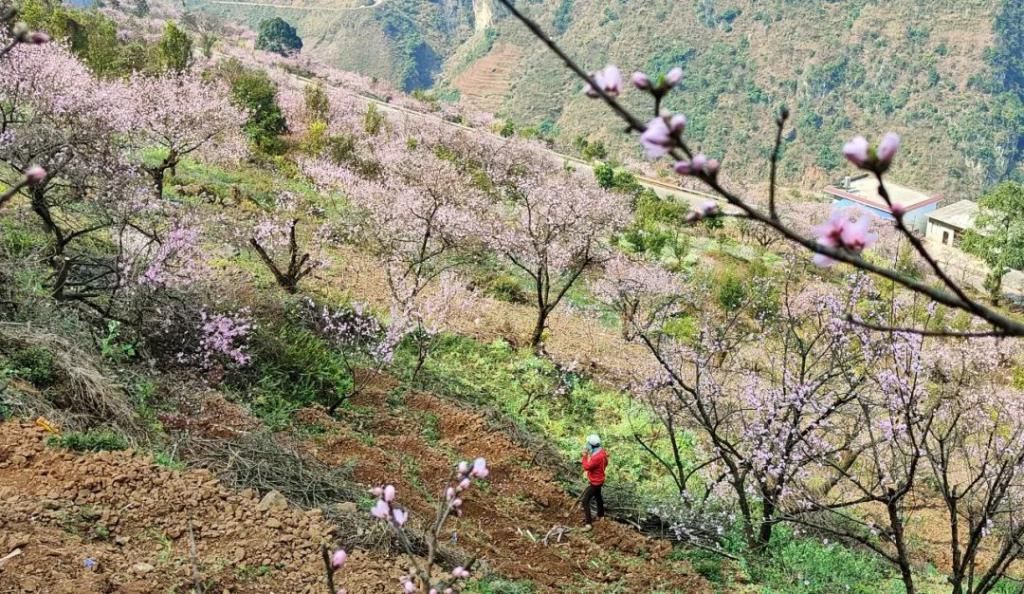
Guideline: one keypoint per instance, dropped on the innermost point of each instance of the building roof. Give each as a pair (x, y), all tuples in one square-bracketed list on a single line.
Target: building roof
[(864, 190), (960, 215)]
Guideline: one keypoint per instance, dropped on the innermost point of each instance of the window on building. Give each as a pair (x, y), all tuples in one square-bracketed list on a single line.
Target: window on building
[(945, 238)]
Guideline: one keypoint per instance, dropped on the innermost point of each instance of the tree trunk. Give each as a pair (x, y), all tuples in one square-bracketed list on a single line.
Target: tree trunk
[(538, 330), (764, 534), (902, 556), (158, 180)]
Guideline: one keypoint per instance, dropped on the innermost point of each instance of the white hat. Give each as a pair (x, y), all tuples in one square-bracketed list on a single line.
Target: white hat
[(594, 440)]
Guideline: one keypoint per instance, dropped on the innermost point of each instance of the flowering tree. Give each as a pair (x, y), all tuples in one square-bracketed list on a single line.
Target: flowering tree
[(417, 217), (449, 504), (663, 135), (180, 114), (69, 147), (938, 416), (762, 395), (554, 228), (272, 235)]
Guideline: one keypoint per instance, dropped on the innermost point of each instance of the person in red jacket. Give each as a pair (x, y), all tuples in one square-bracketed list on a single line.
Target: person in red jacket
[(595, 460)]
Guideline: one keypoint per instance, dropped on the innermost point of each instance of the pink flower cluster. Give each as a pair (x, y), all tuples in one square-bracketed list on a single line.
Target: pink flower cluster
[(464, 472), (608, 80), (875, 159), (338, 559), (384, 510), (225, 336), (842, 231)]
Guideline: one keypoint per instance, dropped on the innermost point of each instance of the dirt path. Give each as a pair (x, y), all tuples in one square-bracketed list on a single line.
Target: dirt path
[(414, 444)]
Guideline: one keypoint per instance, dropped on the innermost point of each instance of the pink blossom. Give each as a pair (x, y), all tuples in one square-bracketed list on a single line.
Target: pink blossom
[(856, 151), (674, 76), (677, 123), (608, 80), (401, 516), (377, 492), (409, 587), (389, 493), (449, 493), (860, 152), (464, 484), (840, 231), (338, 558), (35, 175), (657, 139), (887, 148), (480, 468), (463, 467), (381, 510), (456, 503), (856, 235), (38, 38), (641, 81), (460, 573)]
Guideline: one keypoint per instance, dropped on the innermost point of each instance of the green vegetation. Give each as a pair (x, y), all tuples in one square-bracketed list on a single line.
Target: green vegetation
[(174, 48), (95, 440), (294, 368), (91, 36), (276, 35), (998, 233), (563, 16), (32, 364), (499, 586), (253, 91)]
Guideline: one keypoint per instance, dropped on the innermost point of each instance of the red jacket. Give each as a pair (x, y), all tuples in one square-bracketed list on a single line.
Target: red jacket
[(594, 466)]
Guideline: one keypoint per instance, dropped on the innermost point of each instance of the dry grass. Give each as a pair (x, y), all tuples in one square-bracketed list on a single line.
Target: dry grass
[(259, 461), (85, 398)]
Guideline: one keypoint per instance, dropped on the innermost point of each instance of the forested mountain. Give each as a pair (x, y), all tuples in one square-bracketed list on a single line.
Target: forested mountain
[(945, 74)]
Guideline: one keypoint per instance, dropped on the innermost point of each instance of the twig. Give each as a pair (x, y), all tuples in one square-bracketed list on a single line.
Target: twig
[(328, 568), (6, 558), (780, 123)]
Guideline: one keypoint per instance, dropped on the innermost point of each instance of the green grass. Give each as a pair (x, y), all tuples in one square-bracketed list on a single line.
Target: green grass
[(94, 440), (494, 585), (564, 408)]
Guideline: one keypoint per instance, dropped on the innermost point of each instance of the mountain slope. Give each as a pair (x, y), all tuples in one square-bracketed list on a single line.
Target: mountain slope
[(842, 67), (929, 70)]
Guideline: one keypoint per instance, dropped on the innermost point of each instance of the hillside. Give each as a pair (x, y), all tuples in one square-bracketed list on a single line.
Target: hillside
[(925, 69), (254, 310)]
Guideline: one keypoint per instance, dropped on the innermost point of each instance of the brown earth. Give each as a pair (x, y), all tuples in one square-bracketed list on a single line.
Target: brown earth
[(485, 83), (132, 518), (415, 446)]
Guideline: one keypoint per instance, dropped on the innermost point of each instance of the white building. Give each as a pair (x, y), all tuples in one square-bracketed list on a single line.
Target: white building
[(947, 224)]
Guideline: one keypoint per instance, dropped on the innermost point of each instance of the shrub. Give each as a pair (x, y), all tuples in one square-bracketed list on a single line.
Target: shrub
[(277, 36), (34, 364), (731, 292), (94, 440), (294, 367), (506, 287)]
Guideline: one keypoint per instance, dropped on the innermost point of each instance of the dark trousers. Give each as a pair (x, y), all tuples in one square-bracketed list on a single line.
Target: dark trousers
[(593, 492)]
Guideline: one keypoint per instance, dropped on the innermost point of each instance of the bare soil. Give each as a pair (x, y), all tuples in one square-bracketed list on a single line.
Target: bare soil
[(415, 444)]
